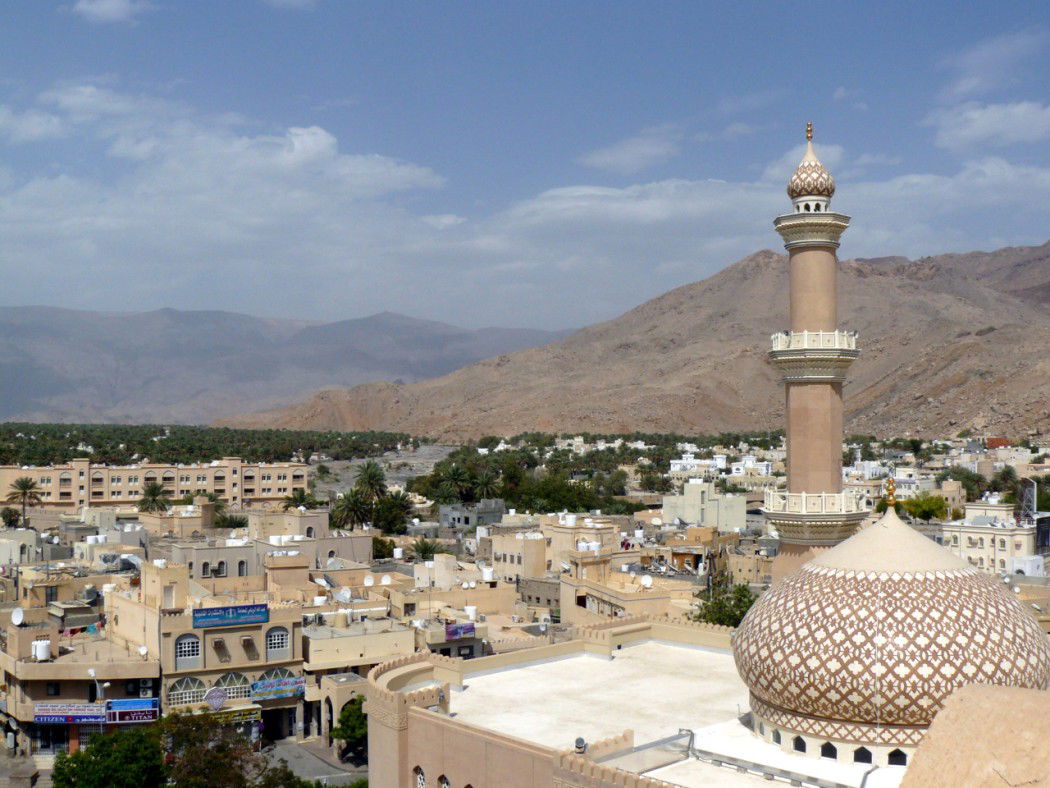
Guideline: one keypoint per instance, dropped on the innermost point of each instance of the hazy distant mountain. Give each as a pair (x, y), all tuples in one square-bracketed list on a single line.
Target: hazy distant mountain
[(947, 342), (195, 367)]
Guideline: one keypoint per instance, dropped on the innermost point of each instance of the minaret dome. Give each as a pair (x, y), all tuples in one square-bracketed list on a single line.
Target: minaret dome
[(811, 187)]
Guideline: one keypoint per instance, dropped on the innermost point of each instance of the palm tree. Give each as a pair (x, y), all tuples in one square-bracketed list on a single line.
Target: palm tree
[(399, 501), (219, 503), (486, 484), (352, 509), (458, 480), (153, 498), (299, 498), (371, 481), (231, 521), (25, 491), (425, 549)]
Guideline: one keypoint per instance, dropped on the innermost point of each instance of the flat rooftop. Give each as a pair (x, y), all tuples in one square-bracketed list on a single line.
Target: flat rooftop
[(651, 688)]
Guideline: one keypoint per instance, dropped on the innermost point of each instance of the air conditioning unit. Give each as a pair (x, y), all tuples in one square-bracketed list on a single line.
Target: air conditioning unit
[(145, 683), (146, 693)]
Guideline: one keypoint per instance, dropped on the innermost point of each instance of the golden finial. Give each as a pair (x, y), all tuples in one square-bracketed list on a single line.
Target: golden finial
[(809, 131), (891, 488)]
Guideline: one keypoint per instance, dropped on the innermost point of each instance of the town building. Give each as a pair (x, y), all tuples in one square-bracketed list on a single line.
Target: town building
[(700, 503)]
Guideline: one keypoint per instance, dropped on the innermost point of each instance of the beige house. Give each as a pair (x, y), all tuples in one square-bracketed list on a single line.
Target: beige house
[(82, 483), (701, 504), (988, 537)]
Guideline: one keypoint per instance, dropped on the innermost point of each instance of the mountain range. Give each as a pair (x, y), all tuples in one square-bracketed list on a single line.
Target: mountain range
[(948, 342), (197, 366)]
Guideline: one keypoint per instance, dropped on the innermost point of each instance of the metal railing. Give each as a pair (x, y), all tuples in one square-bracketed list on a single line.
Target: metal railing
[(814, 340)]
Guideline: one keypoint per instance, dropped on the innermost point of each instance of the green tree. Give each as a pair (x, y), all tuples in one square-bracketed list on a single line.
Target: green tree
[(352, 509), (26, 492), (727, 605), (352, 730), (391, 514), (425, 549), (125, 758), (881, 505), (299, 498), (9, 516), (371, 481), (973, 483), (153, 499), (651, 481), (231, 521), (486, 484), (207, 753), (382, 548), (213, 498), (457, 478), (926, 507)]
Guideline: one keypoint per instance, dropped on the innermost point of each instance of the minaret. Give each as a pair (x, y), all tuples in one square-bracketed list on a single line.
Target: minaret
[(814, 514)]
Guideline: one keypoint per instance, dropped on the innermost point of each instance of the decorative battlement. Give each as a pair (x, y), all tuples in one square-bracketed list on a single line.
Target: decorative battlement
[(846, 502), (811, 229), (813, 340)]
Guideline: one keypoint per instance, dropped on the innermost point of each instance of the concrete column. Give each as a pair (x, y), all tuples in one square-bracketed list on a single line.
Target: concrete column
[(814, 295), (814, 437)]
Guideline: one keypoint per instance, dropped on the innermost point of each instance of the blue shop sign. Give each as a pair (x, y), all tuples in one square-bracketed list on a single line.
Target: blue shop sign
[(230, 616)]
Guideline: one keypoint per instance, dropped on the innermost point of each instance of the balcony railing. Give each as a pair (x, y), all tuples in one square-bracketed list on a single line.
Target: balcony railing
[(847, 502), (815, 340)]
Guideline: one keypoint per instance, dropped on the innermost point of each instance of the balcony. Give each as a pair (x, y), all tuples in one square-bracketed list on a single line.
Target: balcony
[(846, 502), (814, 340)]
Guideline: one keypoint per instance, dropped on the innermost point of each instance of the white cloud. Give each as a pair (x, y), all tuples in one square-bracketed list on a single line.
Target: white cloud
[(198, 211), (110, 11), (30, 126), (652, 146), (971, 124), (842, 92), (991, 63)]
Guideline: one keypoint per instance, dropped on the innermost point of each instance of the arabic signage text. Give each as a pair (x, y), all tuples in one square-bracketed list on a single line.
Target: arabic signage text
[(67, 713), (230, 616), (291, 687), (132, 710)]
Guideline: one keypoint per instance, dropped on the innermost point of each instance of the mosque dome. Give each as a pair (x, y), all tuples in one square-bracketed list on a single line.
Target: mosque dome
[(865, 642), (811, 178)]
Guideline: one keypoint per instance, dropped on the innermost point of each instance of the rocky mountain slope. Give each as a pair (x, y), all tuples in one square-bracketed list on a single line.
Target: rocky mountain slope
[(171, 365), (948, 342)]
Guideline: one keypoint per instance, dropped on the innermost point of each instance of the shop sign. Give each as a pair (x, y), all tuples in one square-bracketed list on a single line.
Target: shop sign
[(132, 710), (291, 687), (240, 715), (229, 616), (67, 713), (459, 631)]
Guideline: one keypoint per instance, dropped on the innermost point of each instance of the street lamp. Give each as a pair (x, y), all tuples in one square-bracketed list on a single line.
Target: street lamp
[(100, 689)]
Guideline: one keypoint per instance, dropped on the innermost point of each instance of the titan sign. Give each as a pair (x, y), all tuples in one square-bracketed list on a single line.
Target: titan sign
[(232, 615)]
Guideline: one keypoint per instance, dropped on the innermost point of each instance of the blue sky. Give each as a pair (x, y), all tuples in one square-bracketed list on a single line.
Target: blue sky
[(532, 164)]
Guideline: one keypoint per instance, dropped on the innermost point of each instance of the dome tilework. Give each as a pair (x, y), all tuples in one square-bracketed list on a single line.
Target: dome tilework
[(811, 179)]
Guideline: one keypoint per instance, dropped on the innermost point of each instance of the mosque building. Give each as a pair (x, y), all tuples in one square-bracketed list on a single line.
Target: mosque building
[(834, 677)]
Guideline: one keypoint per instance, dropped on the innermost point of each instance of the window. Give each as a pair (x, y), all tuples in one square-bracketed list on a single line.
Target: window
[(277, 644), (187, 652), (776, 737), (310, 532), (421, 779), (53, 689), (828, 750), (242, 568), (443, 782), (1002, 544), (799, 744), (220, 569), (897, 758), (205, 569), (186, 691), (51, 594), (235, 684), (862, 755)]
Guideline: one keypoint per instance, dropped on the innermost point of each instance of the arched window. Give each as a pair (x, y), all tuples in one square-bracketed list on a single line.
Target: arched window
[(310, 532), (277, 644), (443, 782), (331, 553), (1002, 544), (277, 673), (186, 691), (235, 684), (776, 736), (862, 755), (242, 568), (187, 652), (220, 569), (799, 744), (828, 750), (897, 758), (421, 779), (205, 568)]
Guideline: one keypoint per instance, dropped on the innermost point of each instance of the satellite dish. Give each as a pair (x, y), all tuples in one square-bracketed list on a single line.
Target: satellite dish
[(143, 651), (369, 581), (657, 521), (18, 616), (647, 581), (466, 585), (385, 580)]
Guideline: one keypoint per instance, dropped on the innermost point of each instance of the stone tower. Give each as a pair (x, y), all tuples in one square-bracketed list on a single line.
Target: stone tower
[(813, 356)]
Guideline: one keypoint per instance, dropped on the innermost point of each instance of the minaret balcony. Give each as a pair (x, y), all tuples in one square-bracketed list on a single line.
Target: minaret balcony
[(845, 502), (811, 229), (814, 356)]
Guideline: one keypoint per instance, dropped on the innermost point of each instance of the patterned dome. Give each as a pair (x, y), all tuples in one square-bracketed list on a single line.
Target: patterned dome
[(865, 642), (811, 178)]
